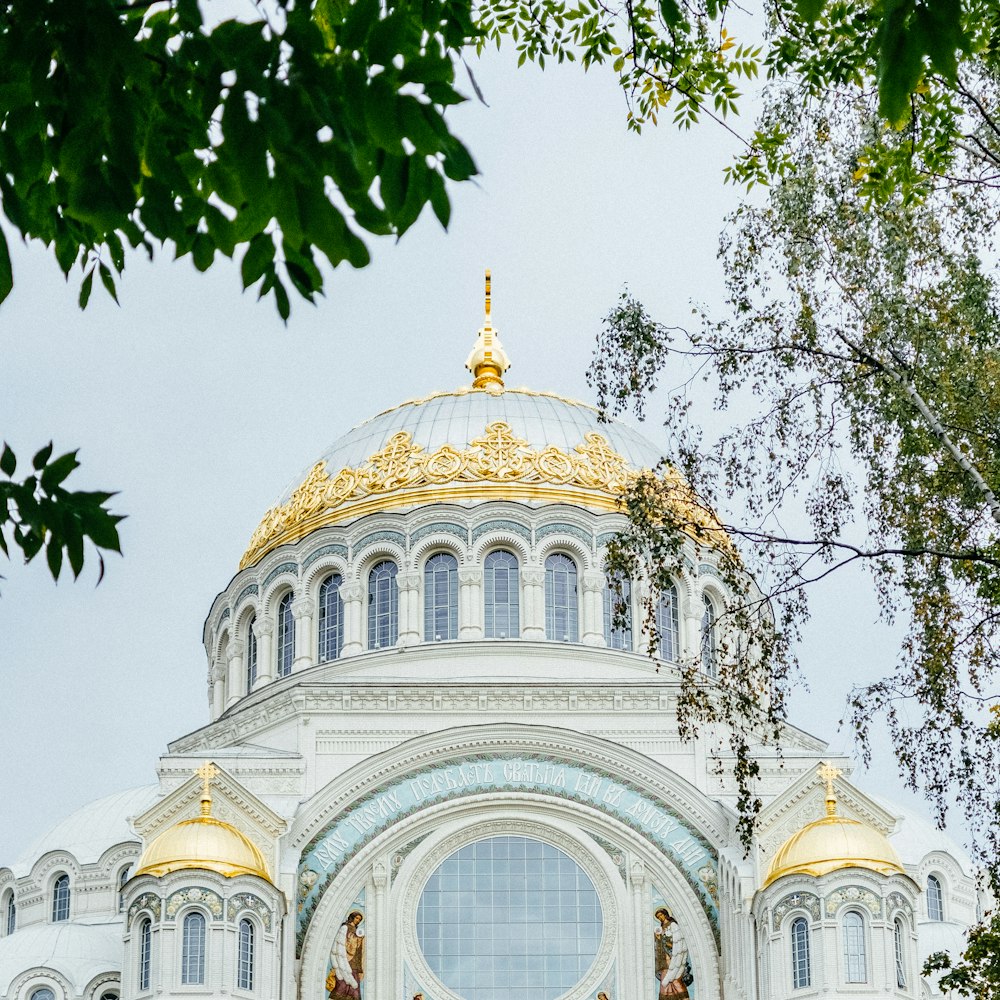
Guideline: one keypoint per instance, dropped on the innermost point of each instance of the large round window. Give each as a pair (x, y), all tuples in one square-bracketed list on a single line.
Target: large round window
[(509, 918)]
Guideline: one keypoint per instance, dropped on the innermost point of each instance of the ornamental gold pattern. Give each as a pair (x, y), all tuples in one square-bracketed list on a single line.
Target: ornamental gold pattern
[(594, 473)]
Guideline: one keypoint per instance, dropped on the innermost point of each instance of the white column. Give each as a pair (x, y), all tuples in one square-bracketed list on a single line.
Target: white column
[(409, 608), (382, 923), (263, 628), (236, 684), (470, 602), (533, 603), (639, 971), (591, 608), (303, 609), (642, 627), (354, 637), (691, 639), (217, 688)]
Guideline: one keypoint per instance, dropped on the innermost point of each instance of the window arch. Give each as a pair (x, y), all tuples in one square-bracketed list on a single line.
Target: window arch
[(286, 635), (935, 898), (145, 954), (251, 654), (383, 605), (123, 876), (440, 597), (709, 638), (9, 913), (60, 898), (193, 950), (897, 935), (245, 956), (617, 611), (561, 599), (855, 952), (801, 968), (502, 595), (43, 993), (331, 618), (668, 624)]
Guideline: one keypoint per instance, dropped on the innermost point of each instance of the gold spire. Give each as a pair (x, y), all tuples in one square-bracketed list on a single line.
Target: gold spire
[(488, 360), (829, 775)]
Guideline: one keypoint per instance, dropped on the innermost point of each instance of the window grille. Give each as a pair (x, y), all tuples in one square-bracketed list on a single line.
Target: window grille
[(251, 654), (123, 877), (10, 917), (668, 625), (801, 971), (286, 635), (935, 898), (900, 964), (501, 596), (855, 956), (244, 965), (60, 898), (441, 598), (331, 618), (145, 953), (709, 639), (383, 606), (193, 950), (561, 599), (618, 612)]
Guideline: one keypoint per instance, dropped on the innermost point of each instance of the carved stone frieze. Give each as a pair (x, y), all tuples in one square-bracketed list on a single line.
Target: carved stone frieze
[(799, 900)]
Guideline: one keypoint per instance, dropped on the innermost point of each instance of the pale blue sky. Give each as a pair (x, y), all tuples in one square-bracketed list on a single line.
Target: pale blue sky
[(194, 402)]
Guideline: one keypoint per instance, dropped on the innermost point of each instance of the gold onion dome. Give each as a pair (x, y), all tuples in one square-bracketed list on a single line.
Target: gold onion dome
[(833, 843), (481, 442), (203, 842)]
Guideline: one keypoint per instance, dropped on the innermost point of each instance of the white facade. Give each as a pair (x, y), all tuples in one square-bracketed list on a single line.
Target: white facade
[(449, 739)]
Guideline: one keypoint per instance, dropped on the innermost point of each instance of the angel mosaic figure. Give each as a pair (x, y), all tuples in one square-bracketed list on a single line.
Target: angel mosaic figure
[(670, 956), (348, 960)]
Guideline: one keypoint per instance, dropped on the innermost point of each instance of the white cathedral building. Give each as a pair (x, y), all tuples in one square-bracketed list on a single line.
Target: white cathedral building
[(438, 765)]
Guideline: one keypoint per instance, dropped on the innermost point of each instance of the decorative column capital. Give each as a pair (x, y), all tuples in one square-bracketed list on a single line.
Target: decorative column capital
[(470, 574), (593, 581), (236, 649), (303, 607), (533, 576), (263, 626), (408, 581), (351, 591)]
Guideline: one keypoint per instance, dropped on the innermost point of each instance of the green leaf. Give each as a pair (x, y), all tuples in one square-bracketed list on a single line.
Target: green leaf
[(6, 273), (54, 557), (42, 457), (203, 252), (810, 10), (55, 472), (670, 11), (108, 281), (8, 462), (85, 288), (259, 255)]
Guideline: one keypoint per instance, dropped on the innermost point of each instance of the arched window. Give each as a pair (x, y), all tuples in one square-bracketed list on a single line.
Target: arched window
[(10, 914), (709, 639), (900, 964), (193, 950), (286, 635), (935, 898), (561, 603), (441, 597), (855, 954), (60, 898), (617, 612), (383, 606), (668, 625), (123, 877), (251, 653), (43, 994), (801, 971), (109, 996), (244, 962), (502, 618), (331, 618), (145, 953)]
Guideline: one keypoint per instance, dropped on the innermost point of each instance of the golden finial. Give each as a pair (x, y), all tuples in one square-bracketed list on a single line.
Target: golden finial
[(488, 360), (207, 772), (829, 775)]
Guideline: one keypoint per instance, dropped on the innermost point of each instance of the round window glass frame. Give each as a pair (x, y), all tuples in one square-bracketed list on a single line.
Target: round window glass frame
[(573, 845)]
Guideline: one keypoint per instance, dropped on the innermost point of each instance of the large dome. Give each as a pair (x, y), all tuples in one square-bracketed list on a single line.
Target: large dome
[(472, 444)]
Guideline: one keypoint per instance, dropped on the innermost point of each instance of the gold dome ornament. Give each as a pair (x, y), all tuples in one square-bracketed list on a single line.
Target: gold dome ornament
[(488, 361), (833, 843), (203, 842)]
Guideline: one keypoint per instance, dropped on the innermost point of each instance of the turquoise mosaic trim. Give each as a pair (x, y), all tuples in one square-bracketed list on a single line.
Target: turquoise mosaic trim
[(248, 901), (565, 529), (334, 549), (285, 567), (224, 616), (707, 569), (381, 536), (394, 800), (501, 525), (250, 588), (605, 537), (440, 528)]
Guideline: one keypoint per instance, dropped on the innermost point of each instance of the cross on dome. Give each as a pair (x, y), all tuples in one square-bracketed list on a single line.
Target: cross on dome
[(207, 772), (488, 360), (829, 775)]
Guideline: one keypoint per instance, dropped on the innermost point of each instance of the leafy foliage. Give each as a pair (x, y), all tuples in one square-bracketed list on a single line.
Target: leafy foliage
[(283, 138), (38, 513), (977, 975), (864, 336)]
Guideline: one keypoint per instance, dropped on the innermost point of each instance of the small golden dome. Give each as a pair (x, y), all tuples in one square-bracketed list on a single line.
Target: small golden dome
[(833, 843), (203, 842)]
